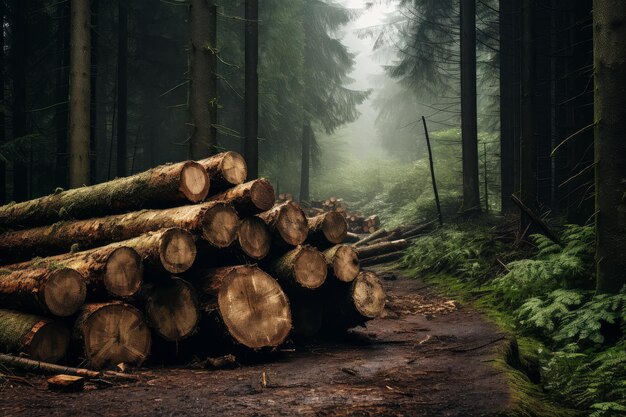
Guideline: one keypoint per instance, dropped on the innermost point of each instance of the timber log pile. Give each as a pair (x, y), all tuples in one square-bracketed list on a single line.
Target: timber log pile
[(185, 257)]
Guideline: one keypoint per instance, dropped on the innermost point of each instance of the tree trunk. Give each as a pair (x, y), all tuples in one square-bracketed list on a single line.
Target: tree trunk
[(216, 222), (249, 198), (609, 34), (251, 105), (528, 145), (122, 88), (38, 337), (163, 186), (507, 105), (110, 271), (354, 305), (248, 304), (202, 78), (111, 333), (305, 162), (343, 261), (80, 93), (171, 308), (59, 292), (327, 229), (469, 130), (61, 93), (301, 268), (253, 238), (287, 223), (382, 248), (3, 189), (225, 170), (20, 47)]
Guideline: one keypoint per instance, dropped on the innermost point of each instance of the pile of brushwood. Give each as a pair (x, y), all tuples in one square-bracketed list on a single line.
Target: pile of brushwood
[(183, 256)]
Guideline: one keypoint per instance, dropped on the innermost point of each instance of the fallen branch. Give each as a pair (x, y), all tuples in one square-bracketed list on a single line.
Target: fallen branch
[(536, 219)]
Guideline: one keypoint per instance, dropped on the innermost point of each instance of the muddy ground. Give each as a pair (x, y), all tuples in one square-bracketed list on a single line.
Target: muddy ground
[(427, 356)]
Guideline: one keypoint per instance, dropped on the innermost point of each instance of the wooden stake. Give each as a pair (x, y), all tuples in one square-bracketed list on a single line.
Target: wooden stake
[(432, 172)]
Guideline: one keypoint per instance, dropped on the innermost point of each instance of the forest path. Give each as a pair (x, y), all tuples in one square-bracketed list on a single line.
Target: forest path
[(427, 356)]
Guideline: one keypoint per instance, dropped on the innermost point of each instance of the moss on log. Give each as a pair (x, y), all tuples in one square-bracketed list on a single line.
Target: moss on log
[(59, 292), (216, 222), (162, 186), (225, 170), (38, 337), (249, 198), (112, 333)]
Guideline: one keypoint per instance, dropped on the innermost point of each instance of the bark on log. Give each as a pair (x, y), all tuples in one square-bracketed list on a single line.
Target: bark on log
[(171, 308), (250, 198), (253, 238), (216, 222), (59, 292), (38, 337), (287, 223), (343, 261), (170, 250), (327, 229), (303, 267), (382, 248), (225, 170), (248, 304), (362, 300), (114, 270), (112, 333), (381, 259), (163, 186)]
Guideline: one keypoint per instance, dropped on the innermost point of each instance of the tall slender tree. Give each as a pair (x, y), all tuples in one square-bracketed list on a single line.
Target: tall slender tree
[(80, 92), (202, 78), (20, 45), (3, 190), (251, 106), (122, 88), (507, 102), (469, 129), (61, 87), (609, 35)]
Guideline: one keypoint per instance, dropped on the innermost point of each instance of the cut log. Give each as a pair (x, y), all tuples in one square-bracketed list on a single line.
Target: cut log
[(170, 250), (354, 305), (249, 305), (249, 198), (114, 270), (378, 234), (381, 259), (382, 248), (225, 170), (216, 222), (352, 237), (253, 238), (163, 186), (171, 308), (343, 261), (39, 338), (66, 383), (287, 223), (328, 228), (303, 267), (59, 292), (112, 333)]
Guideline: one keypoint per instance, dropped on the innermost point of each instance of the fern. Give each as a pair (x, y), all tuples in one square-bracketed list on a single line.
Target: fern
[(543, 315)]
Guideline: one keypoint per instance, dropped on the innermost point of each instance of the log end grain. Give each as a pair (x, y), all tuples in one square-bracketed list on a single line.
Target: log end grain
[(177, 250), (292, 224), (112, 333), (233, 168), (220, 224), (123, 272), (368, 295), (254, 238), (309, 268), (64, 292), (254, 308), (334, 227), (47, 341), (172, 309), (194, 182), (345, 263), (262, 194)]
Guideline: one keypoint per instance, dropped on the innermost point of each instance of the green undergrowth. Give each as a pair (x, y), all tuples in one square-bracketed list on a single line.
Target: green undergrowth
[(571, 341)]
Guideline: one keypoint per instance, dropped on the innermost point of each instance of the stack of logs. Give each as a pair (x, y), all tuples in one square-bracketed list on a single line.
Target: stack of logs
[(357, 223), (182, 253)]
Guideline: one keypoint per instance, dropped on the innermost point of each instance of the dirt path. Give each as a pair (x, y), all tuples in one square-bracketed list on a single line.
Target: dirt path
[(426, 357)]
